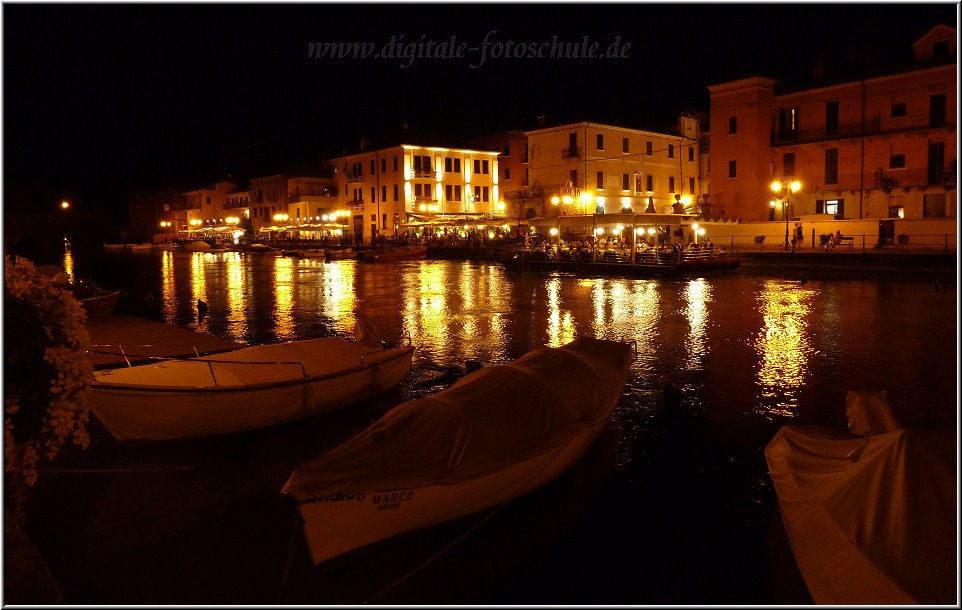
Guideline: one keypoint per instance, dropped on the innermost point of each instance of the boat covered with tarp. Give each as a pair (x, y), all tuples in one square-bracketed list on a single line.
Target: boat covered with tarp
[(871, 512), (498, 433)]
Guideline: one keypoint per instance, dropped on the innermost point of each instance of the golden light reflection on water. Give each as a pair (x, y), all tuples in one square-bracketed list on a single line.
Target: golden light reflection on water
[(561, 326), (236, 293), (783, 345), (337, 291), (284, 327), (68, 264), (698, 295), (168, 286), (424, 301), (198, 285)]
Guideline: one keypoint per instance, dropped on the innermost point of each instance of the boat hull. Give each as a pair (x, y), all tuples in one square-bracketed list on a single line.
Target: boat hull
[(497, 434), (337, 525), (100, 304), (216, 397), (393, 254)]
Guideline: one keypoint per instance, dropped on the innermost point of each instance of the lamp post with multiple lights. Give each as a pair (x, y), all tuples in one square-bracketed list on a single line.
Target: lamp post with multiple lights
[(782, 189)]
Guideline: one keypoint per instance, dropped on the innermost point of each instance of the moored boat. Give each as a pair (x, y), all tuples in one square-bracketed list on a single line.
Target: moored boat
[(653, 262), (495, 435), (871, 513), (390, 254), (243, 390)]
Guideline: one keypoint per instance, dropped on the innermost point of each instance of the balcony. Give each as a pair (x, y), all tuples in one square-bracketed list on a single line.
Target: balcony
[(355, 178), (572, 152), (423, 173), (848, 131)]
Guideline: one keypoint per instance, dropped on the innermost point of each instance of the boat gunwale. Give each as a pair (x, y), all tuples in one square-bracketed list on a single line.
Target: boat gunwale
[(402, 351)]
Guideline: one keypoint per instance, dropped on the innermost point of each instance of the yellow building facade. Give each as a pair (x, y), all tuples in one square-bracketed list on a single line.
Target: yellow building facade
[(386, 189), (583, 168)]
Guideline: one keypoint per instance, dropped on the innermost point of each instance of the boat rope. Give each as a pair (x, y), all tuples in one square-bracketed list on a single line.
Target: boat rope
[(432, 558), (531, 475), (107, 470), (295, 534)]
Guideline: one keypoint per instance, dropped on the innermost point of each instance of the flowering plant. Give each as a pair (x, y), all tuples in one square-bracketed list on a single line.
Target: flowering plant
[(46, 372)]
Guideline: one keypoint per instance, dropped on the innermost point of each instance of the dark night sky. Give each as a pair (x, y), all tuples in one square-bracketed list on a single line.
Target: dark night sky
[(102, 100)]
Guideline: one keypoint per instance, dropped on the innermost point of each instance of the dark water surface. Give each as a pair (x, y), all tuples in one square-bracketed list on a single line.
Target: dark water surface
[(672, 506)]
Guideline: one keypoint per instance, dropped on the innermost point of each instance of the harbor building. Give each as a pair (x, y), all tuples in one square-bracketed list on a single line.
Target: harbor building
[(386, 190), (879, 146), (587, 168)]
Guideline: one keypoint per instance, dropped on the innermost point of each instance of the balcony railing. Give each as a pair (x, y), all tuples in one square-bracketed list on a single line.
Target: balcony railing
[(570, 153), (873, 127), (423, 173), (355, 178)]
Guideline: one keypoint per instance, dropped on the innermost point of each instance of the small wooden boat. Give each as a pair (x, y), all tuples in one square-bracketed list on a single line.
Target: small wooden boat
[(871, 513), (336, 254), (497, 434), (242, 390), (100, 302), (391, 254)]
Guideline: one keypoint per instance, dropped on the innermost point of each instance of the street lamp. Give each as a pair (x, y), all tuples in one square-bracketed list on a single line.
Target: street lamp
[(783, 189)]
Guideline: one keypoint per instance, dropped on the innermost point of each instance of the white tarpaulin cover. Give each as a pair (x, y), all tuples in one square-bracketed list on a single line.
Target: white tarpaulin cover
[(491, 419), (871, 513)]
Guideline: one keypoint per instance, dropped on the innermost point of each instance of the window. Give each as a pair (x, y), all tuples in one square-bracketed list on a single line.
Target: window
[(395, 162), (691, 186), (648, 148), (507, 173), (384, 193), (899, 110), (896, 211), (373, 167), (395, 192), (649, 183), (600, 180), (457, 164), (833, 206), (788, 123), (573, 144), (671, 151), (448, 192), (573, 177), (477, 166), (448, 164), (831, 166), (624, 145), (788, 164), (484, 166), (457, 192), (691, 153), (507, 150), (485, 194), (937, 110), (383, 166), (671, 184), (733, 124), (625, 182), (897, 161), (732, 169), (831, 118), (525, 177), (373, 194), (600, 144)]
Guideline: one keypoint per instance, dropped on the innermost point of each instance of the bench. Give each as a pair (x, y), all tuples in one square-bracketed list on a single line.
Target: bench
[(848, 240)]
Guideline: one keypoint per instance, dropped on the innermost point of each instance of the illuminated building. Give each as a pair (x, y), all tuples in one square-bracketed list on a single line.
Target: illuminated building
[(881, 145), (387, 188), (584, 168)]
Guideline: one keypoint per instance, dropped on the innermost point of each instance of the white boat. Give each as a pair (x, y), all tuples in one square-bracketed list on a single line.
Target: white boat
[(497, 434), (871, 512), (243, 390)]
